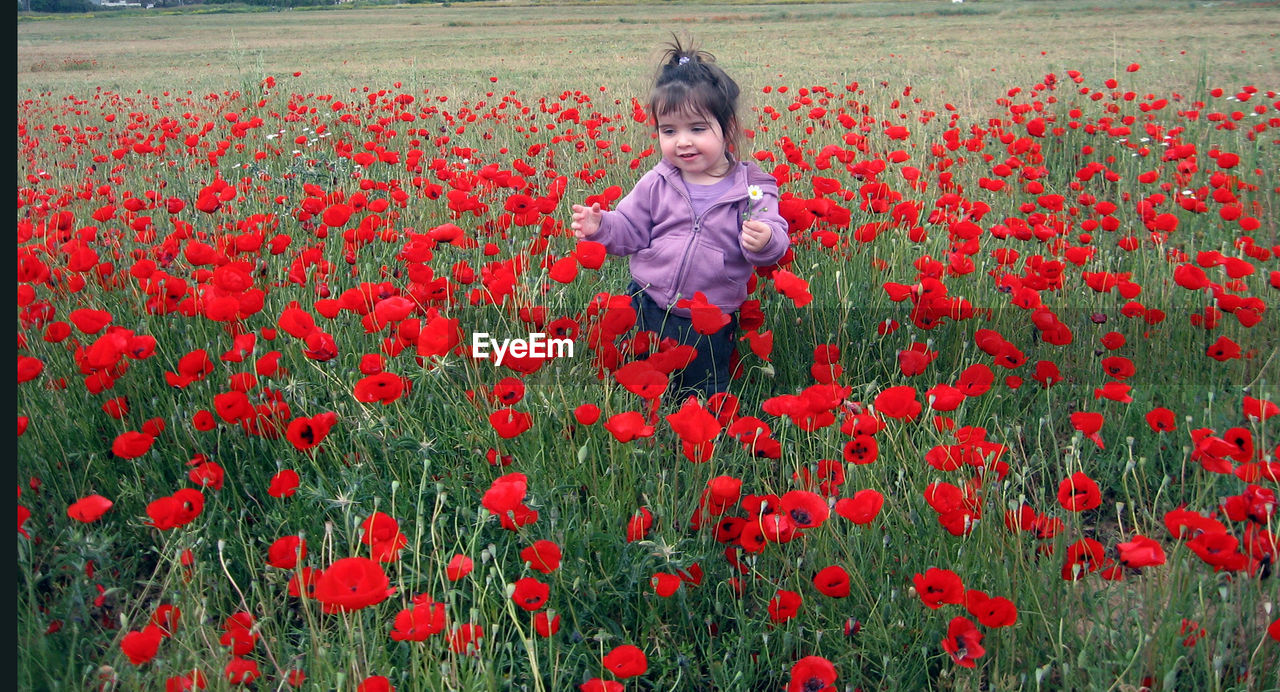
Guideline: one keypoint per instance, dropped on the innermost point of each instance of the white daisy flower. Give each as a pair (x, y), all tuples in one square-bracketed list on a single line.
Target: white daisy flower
[(754, 193)]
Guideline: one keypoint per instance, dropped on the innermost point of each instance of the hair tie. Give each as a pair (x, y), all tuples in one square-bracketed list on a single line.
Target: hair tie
[(683, 59)]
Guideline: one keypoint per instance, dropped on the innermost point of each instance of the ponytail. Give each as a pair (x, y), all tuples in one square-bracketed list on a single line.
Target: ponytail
[(689, 80)]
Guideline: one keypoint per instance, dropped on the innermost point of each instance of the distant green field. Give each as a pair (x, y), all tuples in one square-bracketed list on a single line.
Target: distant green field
[(969, 52)]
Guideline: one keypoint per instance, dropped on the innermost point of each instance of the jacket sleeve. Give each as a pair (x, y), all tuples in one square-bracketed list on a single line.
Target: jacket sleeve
[(766, 211), (626, 228)]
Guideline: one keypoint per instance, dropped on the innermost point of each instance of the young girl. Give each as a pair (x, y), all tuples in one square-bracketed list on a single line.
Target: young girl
[(700, 220)]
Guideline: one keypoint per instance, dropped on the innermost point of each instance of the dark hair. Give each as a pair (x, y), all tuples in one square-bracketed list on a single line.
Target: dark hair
[(690, 81)]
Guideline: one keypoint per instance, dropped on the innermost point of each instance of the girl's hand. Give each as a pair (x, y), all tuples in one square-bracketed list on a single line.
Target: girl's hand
[(586, 220), (755, 235)]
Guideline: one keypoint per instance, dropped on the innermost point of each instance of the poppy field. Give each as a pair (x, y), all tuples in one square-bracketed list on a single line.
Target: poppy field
[(1004, 417)]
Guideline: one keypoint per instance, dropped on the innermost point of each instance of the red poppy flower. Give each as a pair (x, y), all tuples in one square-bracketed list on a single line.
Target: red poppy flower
[(391, 310), (192, 367), (283, 484), (793, 287), (723, 492), (204, 421), (914, 359), (233, 406), (832, 581), (1079, 493), (1259, 409), (761, 344), (944, 397), (1256, 504), (90, 321), (777, 527), (438, 336), (505, 494), (1047, 373), (991, 612), (1140, 552), (384, 387), (812, 674), (459, 566), (176, 510), (1089, 424), (1185, 524), (1223, 349), (1118, 367), (862, 449), (546, 624), (194, 680), (509, 423), (587, 414), (784, 605), (963, 642), (141, 646), (642, 379), (303, 583), (898, 402), (542, 556), (626, 661), (1242, 439), (131, 445), (628, 426), (975, 380), (238, 633), (862, 508), (938, 586), (508, 391), (693, 424), (530, 594), (241, 671), (419, 621), (207, 474), (352, 583), (639, 524), (285, 552), (1161, 420), (589, 253), (308, 433), (320, 346), (665, 584), (337, 214), (564, 270), (378, 528), (375, 683), (1084, 557), (1114, 391), (1219, 550), (89, 509), (806, 509)]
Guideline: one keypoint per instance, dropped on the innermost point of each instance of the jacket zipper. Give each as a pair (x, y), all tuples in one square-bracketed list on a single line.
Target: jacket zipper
[(688, 249), (693, 240)]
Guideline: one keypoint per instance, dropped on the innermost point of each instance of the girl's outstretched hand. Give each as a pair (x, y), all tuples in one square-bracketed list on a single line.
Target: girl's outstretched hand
[(755, 235), (586, 220)]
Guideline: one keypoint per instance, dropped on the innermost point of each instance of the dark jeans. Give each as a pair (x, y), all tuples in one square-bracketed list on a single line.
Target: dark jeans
[(709, 372)]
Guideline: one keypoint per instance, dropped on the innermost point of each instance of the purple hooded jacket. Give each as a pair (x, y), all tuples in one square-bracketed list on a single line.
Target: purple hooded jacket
[(674, 254)]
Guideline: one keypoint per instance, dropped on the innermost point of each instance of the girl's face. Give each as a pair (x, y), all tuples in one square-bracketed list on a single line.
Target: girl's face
[(693, 143)]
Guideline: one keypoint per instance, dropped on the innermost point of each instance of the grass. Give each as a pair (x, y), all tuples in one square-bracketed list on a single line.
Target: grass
[(424, 459)]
